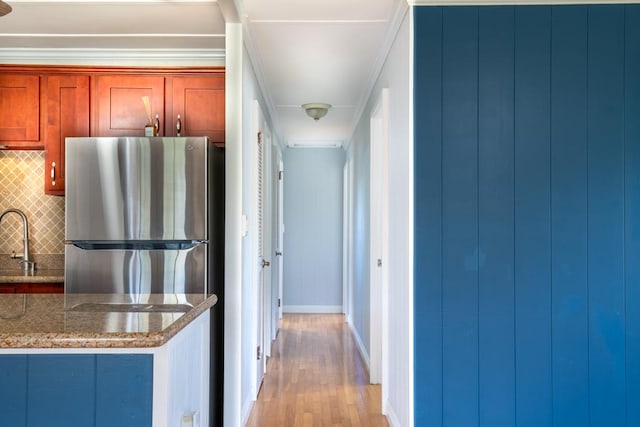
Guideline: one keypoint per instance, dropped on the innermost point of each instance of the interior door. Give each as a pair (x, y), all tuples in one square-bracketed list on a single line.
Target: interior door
[(379, 242), (262, 262), (268, 302), (261, 244), (280, 238)]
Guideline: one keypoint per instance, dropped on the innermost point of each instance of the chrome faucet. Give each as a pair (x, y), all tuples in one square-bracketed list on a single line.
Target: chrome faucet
[(27, 264)]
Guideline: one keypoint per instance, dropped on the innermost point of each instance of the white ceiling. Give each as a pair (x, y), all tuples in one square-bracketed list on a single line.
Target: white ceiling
[(304, 51), (317, 51)]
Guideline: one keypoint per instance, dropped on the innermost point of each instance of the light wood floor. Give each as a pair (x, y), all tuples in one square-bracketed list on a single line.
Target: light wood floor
[(316, 377)]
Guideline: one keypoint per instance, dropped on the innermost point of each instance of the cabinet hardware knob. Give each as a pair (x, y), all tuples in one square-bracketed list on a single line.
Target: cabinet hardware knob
[(178, 125), (53, 173)]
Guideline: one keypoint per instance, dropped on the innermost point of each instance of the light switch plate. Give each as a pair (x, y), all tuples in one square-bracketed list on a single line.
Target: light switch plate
[(245, 225), (187, 421), (190, 420)]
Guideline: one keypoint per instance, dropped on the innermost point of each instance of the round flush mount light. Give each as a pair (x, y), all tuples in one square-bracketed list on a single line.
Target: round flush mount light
[(316, 110), (4, 8)]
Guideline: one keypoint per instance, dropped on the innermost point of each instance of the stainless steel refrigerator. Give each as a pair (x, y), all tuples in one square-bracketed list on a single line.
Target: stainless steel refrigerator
[(146, 215)]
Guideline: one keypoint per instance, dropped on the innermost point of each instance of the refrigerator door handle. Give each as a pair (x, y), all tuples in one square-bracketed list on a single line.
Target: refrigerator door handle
[(137, 245)]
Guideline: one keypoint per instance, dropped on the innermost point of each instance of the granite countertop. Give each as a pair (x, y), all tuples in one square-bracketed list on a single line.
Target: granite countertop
[(96, 320), (37, 276)]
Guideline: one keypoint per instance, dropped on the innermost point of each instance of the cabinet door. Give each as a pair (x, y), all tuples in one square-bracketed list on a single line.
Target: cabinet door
[(13, 389), (119, 107), (67, 115), (199, 101), (20, 110), (77, 390)]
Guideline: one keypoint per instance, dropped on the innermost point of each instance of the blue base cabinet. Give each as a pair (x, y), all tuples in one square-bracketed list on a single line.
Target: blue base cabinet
[(160, 386), (76, 390)]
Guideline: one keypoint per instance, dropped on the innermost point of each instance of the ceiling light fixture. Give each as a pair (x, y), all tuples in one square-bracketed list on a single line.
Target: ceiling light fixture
[(316, 110), (4, 8)]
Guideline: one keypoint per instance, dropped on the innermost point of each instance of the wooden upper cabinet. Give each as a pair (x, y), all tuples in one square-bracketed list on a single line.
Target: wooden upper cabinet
[(20, 110), (67, 98), (199, 101), (119, 107)]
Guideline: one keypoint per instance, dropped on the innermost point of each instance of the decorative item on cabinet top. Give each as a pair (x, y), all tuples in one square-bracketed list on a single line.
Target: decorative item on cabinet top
[(4, 8)]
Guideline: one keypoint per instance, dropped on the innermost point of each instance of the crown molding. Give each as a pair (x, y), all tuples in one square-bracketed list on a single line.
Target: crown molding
[(513, 2), (230, 11), (400, 11), (131, 57), (110, 1)]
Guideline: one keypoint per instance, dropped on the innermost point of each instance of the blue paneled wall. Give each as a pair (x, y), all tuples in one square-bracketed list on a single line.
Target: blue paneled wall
[(527, 216), (76, 390)]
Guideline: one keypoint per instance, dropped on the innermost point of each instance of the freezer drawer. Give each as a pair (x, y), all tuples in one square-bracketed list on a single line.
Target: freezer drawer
[(135, 271), (136, 188)]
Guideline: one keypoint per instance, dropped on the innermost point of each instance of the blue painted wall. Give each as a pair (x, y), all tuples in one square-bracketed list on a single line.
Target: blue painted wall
[(76, 390), (313, 216), (527, 216)]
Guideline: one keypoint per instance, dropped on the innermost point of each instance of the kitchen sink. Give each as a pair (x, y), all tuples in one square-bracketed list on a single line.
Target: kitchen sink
[(131, 308)]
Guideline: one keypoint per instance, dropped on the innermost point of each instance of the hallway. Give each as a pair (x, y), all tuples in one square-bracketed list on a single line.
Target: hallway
[(316, 377)]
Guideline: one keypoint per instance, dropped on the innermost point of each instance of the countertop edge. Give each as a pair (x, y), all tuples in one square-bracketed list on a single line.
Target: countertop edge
[(97, 340), (39, 276)]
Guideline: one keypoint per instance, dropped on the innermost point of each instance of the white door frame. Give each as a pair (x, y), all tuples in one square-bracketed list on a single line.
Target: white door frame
[(347, 243), (379, 239)]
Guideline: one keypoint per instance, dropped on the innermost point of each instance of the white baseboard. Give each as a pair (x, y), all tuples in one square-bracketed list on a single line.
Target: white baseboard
[(312, 309), (392, 418), (361, 348), (246, 409)]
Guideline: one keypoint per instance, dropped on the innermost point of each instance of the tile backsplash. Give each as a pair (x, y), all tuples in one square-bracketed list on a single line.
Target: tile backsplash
[(22, 187)]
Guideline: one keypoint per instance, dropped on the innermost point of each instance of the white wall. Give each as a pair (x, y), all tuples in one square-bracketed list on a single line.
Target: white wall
[(233, 392), (313, 224), (240, 294), (396, 76)]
